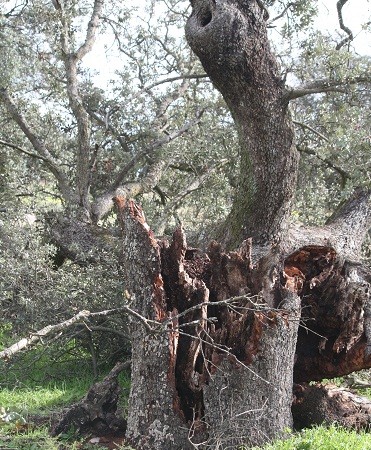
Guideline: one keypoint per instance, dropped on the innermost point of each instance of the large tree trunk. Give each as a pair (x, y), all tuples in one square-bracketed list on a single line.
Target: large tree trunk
[(193, 367), (230, 38), (216, 337)]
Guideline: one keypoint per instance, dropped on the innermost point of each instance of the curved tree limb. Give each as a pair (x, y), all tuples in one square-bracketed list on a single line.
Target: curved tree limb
[(344, 231), (105, 202), (225, 35), (349, 38), (325, 85), (22, 150), (70, 60), (343, 174)]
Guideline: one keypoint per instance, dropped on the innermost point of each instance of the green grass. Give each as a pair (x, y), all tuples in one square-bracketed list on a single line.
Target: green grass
[(322, 438), (36, 388)]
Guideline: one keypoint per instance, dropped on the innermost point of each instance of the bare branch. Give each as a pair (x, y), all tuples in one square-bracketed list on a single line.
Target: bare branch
[(92, 30), (349, 38), (194, 76), (41, 150), (284, 11), (343, 174), (80, 317), (22, 150), (308, 127), (44, 332), (325, 85)]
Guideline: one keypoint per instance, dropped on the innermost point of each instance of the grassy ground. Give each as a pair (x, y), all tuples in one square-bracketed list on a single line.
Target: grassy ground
[(321, 438), (34, 390)]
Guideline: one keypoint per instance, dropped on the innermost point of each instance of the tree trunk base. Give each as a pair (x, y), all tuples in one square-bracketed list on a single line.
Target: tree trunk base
[(327, 404)]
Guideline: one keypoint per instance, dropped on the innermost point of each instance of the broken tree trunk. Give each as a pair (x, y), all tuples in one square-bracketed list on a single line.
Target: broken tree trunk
[(212, 361), (216, 346)]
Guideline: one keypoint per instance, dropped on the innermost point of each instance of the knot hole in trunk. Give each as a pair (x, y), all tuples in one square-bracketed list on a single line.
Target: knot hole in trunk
[(205, 16)]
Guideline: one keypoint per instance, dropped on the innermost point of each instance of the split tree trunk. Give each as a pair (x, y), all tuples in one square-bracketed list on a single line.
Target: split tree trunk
[(216, 348), (220, 371)]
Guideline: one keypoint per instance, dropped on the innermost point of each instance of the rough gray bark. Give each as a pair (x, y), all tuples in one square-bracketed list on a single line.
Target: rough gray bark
[(231, 41), (250, 402), (153, 422), (234, 349)]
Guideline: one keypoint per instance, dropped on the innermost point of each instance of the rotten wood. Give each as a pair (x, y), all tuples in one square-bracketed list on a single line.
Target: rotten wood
[(327, 404), (231, 322), (334, 338), (97, 411)]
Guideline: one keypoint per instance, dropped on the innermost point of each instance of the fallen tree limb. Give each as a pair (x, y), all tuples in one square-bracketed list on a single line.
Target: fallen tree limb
[(51, 330)]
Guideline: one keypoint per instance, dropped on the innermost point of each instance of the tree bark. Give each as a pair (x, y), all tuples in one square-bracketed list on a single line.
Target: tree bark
[(220, 345), (191, 366)]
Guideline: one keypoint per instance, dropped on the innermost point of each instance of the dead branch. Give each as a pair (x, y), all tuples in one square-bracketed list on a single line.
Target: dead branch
[(52, 330), (349, 38)]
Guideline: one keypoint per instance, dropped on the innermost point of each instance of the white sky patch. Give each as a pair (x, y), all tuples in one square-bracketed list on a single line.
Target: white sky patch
[(356, 13)]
